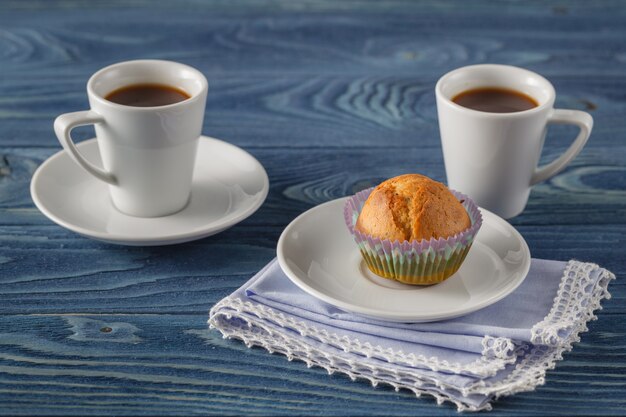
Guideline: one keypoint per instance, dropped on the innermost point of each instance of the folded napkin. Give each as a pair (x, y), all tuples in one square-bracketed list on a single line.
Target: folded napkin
[(500, 350)]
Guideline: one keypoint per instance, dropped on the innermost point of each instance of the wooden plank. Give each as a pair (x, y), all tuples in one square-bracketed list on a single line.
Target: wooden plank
[(403, 39), (173, 364), (52, 271), (590, 191), (309, 110)]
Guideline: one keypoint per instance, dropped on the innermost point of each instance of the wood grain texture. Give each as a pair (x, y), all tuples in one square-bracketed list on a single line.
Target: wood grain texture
[(171, 364), (331, 97)]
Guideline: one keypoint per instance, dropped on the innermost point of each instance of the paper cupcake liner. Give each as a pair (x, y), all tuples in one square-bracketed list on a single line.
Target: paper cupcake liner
[(419, 262)]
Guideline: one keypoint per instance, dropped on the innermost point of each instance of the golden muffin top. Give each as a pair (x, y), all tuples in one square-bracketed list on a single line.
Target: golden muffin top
[(412, 207)]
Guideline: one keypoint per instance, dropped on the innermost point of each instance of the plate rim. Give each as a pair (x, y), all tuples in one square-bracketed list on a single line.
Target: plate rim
[(166, 239), (401, 317)]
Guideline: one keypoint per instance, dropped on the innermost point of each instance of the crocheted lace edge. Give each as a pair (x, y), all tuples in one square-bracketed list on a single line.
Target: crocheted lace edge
[(487, 365)]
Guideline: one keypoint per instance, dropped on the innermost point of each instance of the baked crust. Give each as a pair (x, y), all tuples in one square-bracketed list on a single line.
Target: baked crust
[(412, 207)]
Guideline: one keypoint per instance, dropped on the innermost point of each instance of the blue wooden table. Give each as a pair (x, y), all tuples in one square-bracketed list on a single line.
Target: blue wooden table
[(331, 97)]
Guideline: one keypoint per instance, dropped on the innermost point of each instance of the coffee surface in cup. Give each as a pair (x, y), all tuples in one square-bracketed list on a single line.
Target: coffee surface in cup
[(495, 100), (147, 95)]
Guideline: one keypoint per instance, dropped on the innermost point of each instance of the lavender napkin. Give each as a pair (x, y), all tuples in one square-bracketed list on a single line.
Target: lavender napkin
[(470, 361)]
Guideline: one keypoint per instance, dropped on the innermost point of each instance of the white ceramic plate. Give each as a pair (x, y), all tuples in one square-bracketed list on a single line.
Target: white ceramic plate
[(318, 253), (228, 186)]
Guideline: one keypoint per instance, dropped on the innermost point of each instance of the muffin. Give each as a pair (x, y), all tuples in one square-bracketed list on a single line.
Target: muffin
[(413, 229)]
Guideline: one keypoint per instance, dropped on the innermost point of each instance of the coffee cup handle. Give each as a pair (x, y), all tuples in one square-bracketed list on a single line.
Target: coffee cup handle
[(584, 121), (63, 126)]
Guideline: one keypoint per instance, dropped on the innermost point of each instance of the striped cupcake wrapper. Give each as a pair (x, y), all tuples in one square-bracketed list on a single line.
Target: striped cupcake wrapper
[(419, 262)]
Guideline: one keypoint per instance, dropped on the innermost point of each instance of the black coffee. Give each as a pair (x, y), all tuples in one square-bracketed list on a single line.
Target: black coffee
[(495, 100), (147, 95)]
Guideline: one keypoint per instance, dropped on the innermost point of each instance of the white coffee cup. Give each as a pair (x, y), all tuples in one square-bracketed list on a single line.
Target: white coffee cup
[(148, 153), (493, 157)]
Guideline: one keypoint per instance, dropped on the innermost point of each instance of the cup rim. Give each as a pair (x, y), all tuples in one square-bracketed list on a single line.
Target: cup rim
[(541, 107), (100, 99)]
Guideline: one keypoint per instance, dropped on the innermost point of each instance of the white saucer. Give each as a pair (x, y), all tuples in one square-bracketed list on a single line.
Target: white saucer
[(318, 253), (228, 186)]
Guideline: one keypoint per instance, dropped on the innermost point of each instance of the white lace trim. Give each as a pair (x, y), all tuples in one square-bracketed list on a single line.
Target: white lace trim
[(248, 322), (259, 334), (569, 307), (487, 365), (576, 303), (498, 347)]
